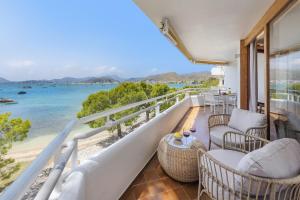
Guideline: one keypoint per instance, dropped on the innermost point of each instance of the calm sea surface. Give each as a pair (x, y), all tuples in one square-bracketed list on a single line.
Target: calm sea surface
[(49, 107)]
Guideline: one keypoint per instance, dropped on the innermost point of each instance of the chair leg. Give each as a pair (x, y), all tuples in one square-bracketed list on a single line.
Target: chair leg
[(200, 192), (209, 145)]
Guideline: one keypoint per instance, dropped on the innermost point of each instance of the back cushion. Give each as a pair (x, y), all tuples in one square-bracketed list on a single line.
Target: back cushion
[(278, 159), (244, 119)]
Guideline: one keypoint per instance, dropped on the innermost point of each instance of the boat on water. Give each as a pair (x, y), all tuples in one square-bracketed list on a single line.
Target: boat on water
[(22, 92), (7, 101), (27, 87)]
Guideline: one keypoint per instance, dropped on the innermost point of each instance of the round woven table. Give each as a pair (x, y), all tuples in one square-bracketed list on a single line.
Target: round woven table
[(179, 158)]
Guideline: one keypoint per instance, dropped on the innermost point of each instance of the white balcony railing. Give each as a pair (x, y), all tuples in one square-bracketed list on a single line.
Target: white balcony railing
[(62, 151)]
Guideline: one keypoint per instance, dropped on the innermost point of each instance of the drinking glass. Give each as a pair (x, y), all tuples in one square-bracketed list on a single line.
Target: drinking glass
[(186, 134)]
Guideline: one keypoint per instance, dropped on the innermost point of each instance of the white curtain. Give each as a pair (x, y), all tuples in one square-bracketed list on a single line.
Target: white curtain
[(253, 78)]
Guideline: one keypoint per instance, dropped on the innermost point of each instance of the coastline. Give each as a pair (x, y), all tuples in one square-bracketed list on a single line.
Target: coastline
[(27, 151)]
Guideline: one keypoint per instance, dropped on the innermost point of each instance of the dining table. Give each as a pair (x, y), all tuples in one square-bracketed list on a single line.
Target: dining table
[(226, 99)]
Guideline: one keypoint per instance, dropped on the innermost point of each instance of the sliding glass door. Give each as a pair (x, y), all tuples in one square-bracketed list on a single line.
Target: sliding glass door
[(285, 74)]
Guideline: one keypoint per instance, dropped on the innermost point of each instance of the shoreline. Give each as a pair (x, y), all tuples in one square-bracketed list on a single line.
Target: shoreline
[(27, 151)]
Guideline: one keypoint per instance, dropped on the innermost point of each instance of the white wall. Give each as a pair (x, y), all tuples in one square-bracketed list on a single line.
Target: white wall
[(261, 77), (107, 175), (232, 77)]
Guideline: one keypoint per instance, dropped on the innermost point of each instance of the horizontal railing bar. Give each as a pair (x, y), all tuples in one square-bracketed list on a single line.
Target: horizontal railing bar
[(122, 108), (116, 122), (55, 174), (16, 190)]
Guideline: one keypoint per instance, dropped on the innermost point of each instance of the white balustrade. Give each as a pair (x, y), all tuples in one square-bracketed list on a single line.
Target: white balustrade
[(61, 156)]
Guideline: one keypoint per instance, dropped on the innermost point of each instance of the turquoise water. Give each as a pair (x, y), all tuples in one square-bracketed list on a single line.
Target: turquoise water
[(49, 107)]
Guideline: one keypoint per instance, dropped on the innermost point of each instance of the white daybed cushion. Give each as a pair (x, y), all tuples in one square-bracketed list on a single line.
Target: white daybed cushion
[(244, 119), (217, 133), (278, 159)]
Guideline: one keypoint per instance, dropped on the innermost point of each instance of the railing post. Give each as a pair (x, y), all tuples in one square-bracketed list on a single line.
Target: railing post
[(177, 99), (157, 109), (74, 156), (187, 94), (147, 115)]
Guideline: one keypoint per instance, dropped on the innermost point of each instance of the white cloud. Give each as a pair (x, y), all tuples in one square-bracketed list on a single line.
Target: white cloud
[(154, 70), (20, 63), (84, 71)]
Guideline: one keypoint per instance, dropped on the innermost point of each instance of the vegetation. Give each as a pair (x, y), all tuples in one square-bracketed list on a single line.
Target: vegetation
[(207, 84), (279, 95), (211, 82), (11, 130), (123, 94), (295, 86)]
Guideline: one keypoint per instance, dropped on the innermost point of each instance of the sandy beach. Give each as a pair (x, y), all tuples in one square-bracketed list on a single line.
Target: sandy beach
[(27, 150)]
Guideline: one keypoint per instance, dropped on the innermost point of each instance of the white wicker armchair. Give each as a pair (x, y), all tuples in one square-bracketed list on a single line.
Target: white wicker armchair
[(220, 180), (241, 121)]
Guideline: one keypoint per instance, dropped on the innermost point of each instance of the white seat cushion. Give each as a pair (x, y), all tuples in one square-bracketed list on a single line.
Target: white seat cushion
[(217, 133), (230, 159), (278, 159), (227, 157), (244, 119)]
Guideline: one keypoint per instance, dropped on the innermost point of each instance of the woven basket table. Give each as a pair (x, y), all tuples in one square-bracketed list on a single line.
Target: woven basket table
[(179, 159)]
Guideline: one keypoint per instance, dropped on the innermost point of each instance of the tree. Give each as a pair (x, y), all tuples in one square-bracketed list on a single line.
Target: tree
[(124, 94), (97, 102), (11, 130)]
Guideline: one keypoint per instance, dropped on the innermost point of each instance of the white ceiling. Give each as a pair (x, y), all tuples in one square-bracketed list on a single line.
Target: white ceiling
[(210, 29)]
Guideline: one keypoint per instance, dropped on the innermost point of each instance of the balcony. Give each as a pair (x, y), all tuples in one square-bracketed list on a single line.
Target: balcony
[(130, 154), (153, 183)]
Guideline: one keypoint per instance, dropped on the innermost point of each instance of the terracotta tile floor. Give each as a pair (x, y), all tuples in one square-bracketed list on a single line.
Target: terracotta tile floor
[(154, 184)]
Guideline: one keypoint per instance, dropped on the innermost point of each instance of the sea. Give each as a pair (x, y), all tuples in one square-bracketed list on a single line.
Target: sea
[(49, 107)]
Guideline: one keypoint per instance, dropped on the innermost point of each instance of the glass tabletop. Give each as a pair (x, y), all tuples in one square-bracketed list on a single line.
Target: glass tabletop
[(184, 143)]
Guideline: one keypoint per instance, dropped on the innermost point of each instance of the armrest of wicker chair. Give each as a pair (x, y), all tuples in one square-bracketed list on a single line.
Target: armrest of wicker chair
[(218, 120), (258, 131), (219, 181), (242, 142)]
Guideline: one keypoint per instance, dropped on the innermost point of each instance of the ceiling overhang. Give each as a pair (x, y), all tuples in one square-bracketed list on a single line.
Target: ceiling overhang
[(206, 31)]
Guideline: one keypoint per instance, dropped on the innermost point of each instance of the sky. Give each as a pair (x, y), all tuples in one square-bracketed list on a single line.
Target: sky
[(79, 38)]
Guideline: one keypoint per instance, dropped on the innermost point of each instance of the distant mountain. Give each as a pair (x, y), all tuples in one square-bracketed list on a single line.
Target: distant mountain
[(165, 77), (103, 79), (137, 79), (174, 77), (3, 80)]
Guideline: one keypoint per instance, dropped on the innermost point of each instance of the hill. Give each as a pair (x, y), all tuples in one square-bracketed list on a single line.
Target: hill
[(3, 80), (164, 77), (174, 77)]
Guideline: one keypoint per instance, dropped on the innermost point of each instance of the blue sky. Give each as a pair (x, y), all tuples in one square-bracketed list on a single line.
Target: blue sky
[(54, 38)]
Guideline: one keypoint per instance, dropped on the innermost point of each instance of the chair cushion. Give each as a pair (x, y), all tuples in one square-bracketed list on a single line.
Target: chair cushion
[(278, 159), (244, 119), (217, 133), (230, 159)]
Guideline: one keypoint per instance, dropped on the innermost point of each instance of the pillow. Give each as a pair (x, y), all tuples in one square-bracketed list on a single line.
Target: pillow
[(244, 119), (278, 159)]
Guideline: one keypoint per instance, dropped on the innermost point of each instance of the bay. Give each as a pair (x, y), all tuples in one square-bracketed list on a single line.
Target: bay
[(49, 107)]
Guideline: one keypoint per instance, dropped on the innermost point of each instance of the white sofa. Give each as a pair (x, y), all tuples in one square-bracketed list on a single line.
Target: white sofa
[(241, 121), (259, 170)]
